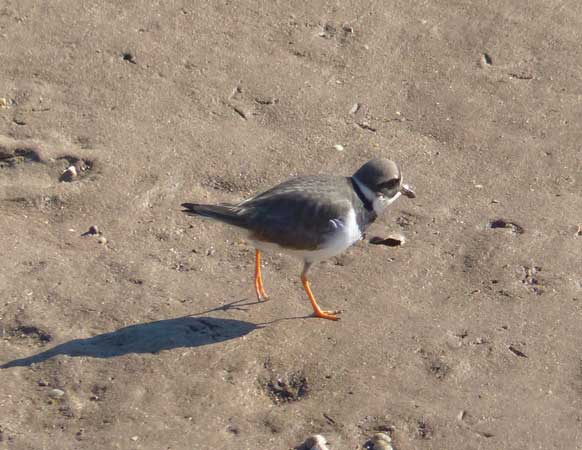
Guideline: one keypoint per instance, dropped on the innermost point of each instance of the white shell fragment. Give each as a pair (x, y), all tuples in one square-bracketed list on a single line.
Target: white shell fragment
[(69, 174), (381, 441), (315, 442), (56, 393), (392, 240)]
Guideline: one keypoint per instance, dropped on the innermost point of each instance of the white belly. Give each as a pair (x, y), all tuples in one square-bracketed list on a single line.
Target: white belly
[(346, 234)]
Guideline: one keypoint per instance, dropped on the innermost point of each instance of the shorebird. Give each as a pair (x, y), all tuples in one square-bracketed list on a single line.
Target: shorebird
[(313, 218)]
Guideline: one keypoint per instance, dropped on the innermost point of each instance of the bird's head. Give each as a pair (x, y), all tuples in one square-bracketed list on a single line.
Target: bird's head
[(380, 180)]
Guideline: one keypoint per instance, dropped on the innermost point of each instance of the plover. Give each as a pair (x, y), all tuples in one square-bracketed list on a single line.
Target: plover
[(312, 217)]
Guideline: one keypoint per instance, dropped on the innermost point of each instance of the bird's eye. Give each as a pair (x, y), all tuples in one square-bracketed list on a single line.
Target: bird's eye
[(390, 184)]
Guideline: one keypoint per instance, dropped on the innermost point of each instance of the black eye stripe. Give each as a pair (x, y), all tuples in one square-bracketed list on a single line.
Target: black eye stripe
[(390, 184)]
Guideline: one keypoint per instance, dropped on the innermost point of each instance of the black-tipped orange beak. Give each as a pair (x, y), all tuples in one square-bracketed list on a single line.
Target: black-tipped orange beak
[(407, 191)]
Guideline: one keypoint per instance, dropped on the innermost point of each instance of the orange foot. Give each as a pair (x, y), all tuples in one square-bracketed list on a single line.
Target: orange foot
[(317, 312), (329, 315), (259, 288)]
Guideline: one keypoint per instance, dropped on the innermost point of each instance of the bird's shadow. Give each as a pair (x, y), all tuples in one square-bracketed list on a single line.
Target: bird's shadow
[(194, 330), (151, 337)]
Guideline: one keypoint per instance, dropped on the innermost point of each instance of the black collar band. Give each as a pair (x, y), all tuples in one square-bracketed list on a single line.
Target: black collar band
[(367, 204)]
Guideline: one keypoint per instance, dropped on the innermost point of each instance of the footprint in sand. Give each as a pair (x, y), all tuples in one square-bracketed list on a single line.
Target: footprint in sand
[(31, 173)]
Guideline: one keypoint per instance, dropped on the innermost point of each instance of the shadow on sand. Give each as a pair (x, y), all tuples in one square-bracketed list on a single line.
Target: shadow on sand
[(149, 337)]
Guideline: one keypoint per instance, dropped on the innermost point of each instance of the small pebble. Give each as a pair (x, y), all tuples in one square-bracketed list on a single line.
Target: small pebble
[(461, 414), (315, 442), (134, 438), (355, 108), (381, 441), (244, 113), (266, 100), (328, 31), (339, 147), (19, 120), (485, 60), (94, 230), (129, 57), (56, 393), (3, 103), (516, 351), (210, 251), (505, 224), (454, 341), (366, 126), (347, 28), (102, 240)]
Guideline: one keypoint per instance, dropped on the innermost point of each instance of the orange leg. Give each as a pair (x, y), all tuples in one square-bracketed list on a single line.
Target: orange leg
[(259, 288), (330, 315)]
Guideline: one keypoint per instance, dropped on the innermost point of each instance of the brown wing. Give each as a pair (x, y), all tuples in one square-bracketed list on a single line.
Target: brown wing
[(298, 213)]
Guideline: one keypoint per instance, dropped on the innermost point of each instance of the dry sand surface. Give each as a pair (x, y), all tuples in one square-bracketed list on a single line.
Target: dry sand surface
[(146, 333)]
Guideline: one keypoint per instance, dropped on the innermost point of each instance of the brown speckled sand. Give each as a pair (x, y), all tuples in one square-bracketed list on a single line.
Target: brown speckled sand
[(149, 328)]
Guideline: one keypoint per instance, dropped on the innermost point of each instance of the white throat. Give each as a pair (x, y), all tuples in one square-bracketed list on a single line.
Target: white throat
[(379, 203)]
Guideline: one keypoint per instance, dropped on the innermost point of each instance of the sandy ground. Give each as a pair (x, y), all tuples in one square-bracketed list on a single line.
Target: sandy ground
[(148, 336)]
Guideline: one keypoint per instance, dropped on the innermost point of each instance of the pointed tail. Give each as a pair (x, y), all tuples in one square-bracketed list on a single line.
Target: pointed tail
[(224, 213)]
